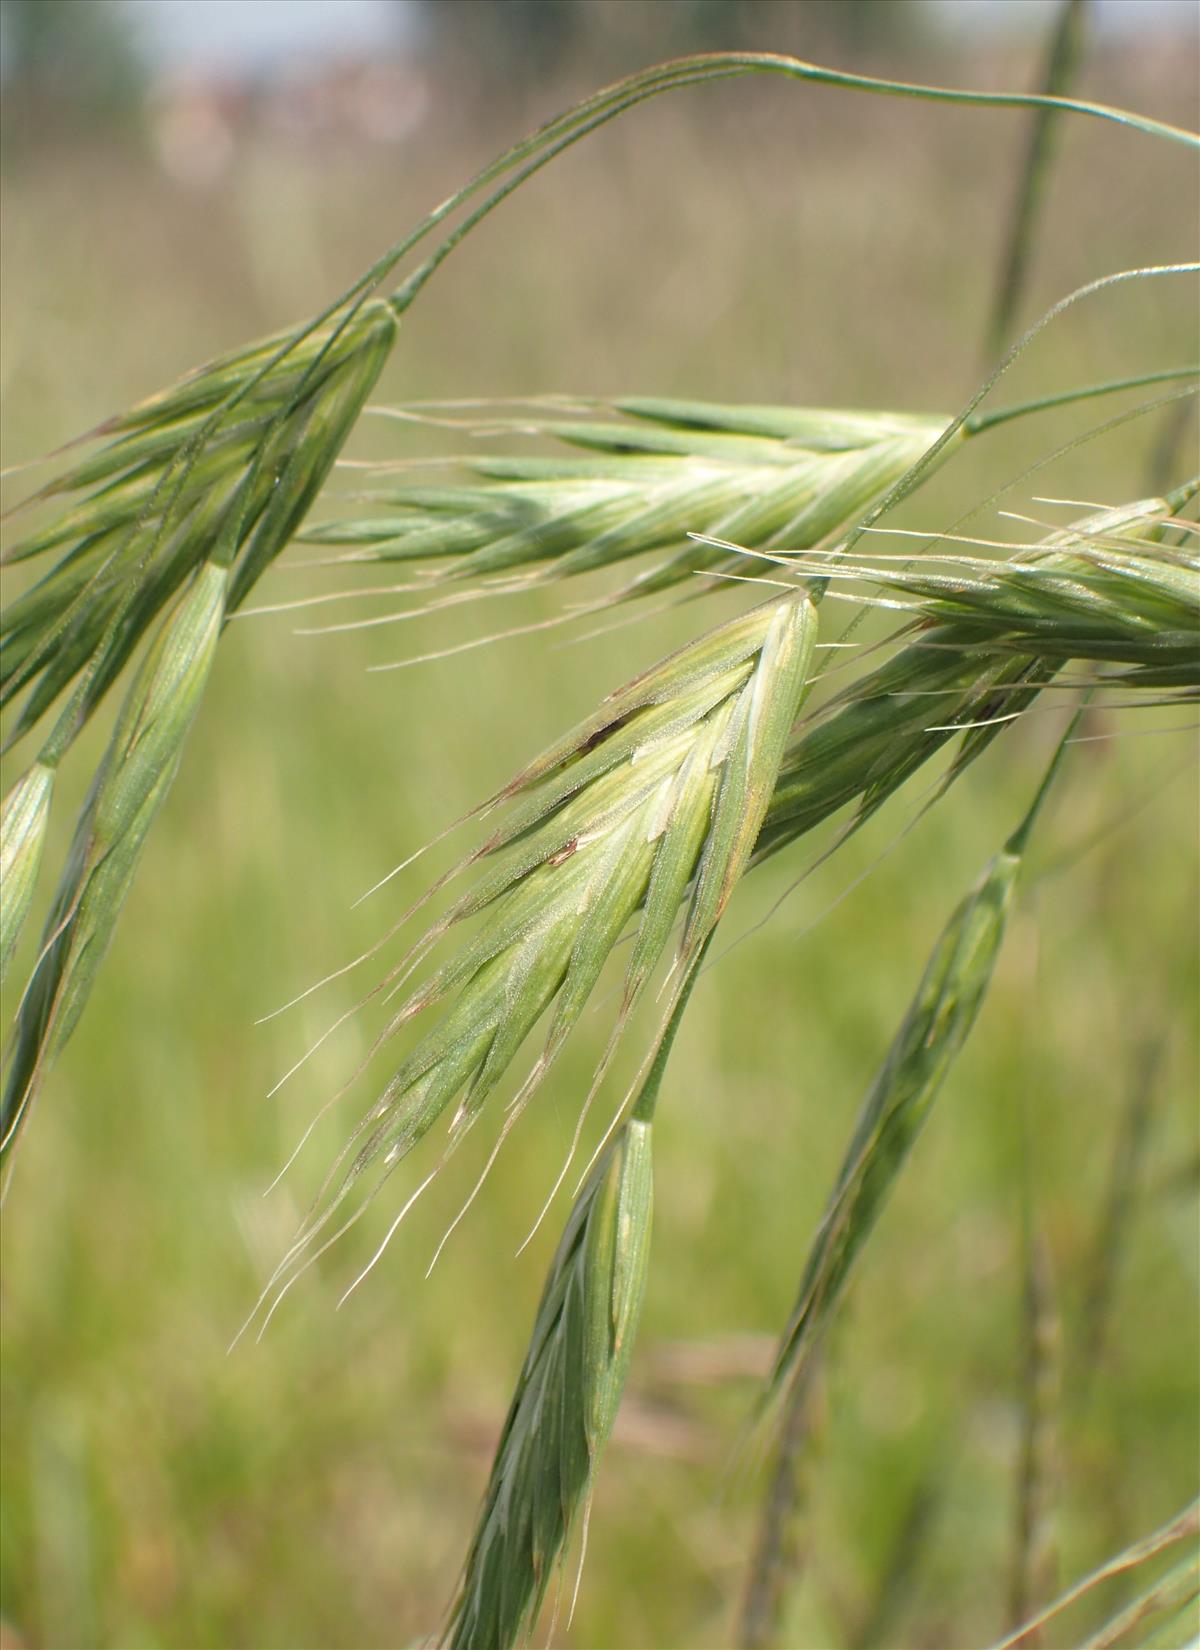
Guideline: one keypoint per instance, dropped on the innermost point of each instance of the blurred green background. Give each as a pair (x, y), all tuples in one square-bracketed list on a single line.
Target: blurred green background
[(163, 202)]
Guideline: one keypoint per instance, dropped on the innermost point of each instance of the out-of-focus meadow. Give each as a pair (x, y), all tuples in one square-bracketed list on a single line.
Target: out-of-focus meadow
[(749, 241)]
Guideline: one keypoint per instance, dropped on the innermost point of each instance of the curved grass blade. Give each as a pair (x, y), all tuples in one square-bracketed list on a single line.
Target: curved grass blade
[(1174, 1594)]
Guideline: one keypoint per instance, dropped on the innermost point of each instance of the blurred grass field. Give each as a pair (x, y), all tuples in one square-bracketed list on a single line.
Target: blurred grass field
[(317, 1489)]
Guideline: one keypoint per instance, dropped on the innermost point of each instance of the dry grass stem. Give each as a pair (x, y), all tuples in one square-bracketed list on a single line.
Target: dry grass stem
[(1172, 1598)]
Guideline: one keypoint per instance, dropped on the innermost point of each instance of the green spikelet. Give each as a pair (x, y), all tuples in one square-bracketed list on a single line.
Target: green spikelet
[(1107, 590), (565, 1403), (22, 837), (647, 812), (128, 789), (931, 1036), (650, 473), (192, 496), (242, 445)]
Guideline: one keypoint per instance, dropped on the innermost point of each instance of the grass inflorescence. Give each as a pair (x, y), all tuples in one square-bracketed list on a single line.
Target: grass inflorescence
[(566, 1399), (1120, 587), (224, 467), (634, 830), (983, 644), (931, 1035), (240, 447), (189, 499), (130, 783), (645, 473), (645, 815)]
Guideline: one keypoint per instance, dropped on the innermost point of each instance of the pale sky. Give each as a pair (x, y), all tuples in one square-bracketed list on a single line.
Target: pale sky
[(251, 34)]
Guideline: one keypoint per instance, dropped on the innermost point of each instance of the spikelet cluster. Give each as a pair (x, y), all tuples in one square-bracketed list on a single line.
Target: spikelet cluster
[(160, 534), (865, 742), (642, 478), (242, 445), (934, 1028), (565, 1402), (643, 819), (986, 642), (130, 783), (1108, 590)]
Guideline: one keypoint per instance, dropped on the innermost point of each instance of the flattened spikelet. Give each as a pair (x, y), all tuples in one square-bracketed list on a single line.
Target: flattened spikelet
[(22, 837), (565, 1402), (190, 498), (242, 446), (653, 472), (931, 1036), (864, 744), (648, 812), (981, 651), (1105, 590), (932, 1032), (130, 784)]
